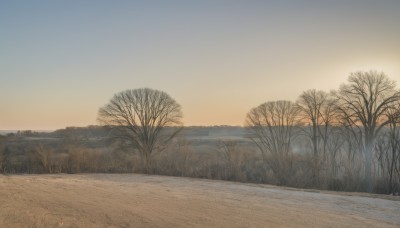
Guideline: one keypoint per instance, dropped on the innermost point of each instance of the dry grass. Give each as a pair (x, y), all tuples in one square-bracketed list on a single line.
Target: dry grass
[(130, 200)]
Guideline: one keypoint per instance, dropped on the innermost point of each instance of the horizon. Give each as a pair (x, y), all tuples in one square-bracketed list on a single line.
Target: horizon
[(62, 61), (6, 131)]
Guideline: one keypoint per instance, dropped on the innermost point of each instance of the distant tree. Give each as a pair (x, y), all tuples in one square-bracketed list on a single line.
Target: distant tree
[(229, 151), (5, 155), (44, 156), (2, 155), (362, 103), (271, 126), (146, 118)]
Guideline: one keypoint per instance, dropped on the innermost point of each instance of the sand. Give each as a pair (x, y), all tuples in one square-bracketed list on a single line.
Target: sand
[(132, 200)]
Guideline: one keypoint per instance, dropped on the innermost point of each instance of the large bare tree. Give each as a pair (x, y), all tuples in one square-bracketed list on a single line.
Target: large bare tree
[(145, 117), (271, 125), (316, 111), (362, 103), (310, 103)]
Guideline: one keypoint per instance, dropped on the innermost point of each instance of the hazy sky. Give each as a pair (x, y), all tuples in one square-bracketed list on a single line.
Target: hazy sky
[(62, 60)]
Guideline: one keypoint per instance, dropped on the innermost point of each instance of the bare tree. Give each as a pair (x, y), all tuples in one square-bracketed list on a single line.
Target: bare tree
[(3, 156), (271, 125), (146, 118), (44, 156), (185, 152), (310, 103), (362, 103), (334, 144), (388, 150), (230, 152), (317, 111)]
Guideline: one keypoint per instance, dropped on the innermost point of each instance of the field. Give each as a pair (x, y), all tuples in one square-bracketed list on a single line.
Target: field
[(132, 200)]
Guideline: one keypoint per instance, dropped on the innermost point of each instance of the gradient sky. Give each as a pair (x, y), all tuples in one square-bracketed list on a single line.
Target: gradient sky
[(62, 60)]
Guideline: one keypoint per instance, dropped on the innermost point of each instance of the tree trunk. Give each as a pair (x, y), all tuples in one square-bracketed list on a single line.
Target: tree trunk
[(368, 164), (315, 154)]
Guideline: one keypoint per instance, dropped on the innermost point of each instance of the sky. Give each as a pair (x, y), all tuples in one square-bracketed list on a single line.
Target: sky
[(60, 61)]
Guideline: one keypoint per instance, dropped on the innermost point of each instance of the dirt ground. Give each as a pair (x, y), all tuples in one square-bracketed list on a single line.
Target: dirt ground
[(131, 200)]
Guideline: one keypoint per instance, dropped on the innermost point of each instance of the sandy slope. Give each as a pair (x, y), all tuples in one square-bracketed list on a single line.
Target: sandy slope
[(114, 200)]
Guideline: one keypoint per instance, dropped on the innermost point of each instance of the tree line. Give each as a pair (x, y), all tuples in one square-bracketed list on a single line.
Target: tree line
[(347, 139), (358, 121)]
